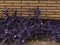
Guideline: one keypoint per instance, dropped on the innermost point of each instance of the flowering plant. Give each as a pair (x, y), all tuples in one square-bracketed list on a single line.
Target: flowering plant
[(18, 29)]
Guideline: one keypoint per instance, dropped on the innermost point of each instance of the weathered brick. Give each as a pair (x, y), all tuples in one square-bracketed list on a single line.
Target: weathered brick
[(53, 10), (25, 15), (53, 5), (48, 13), (30, 2), (12, 7), (43, 15), (42, 10), (57, 18), (38, 4), (1, 9), (1, 2), (58, 7), (20, 4), (48, 8), (53, 15), (1, 6), (27, 12), (15, 2), (5, 4), (47, 2), (23, 9), (27, 7), (58, 2), (58, 13)]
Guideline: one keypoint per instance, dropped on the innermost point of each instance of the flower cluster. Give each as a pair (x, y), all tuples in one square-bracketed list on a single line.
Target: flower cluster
[(19, 29)]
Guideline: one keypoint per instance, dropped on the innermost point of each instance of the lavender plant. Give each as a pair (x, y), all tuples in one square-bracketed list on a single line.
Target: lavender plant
[(17, 29)]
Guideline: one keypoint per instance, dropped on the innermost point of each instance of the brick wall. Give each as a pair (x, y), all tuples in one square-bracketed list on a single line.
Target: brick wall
[(49, 9)]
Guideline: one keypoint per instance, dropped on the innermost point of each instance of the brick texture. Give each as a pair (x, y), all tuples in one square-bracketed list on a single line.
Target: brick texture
[(48, 9)]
